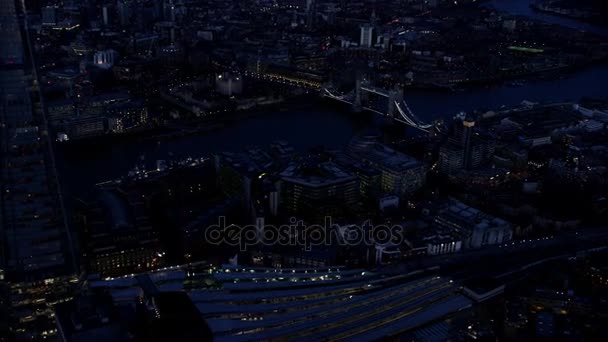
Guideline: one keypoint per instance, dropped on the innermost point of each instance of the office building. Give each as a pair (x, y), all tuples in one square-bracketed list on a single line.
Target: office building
[(475, 228), (236, 173), (127, 115), (401, 175), (37, 259), (366, 36), (441, 242), (509, 25), (117, 236), (169, 10), (467, 132), (105, 59), (228, 84), (49, 15), (107, 16), (124, 13), (466, 149), (312, 189), (311, 13)]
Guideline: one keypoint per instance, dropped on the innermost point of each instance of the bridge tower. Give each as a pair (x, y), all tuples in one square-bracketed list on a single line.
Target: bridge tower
[(394, 95)]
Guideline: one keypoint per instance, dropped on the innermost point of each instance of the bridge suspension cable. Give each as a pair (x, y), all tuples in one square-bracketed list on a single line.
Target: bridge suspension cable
[(406, 115)]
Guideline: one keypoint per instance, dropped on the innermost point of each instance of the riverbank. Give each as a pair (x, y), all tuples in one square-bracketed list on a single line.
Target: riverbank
[(551, 72), (522, 8), (306, 124), (313, 123), (176, 129), (571, 13)]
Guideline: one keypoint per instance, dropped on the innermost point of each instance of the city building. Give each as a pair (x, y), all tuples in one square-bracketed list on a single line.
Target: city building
[(228, 84), (86, 127), (438, 243), (467, 149), (366, 36), (311, 12), (107, 15), (105, 59), (401, 174), (509, 25), (117, 236), (475, 228), (127, 115), (370, 178), (124, 12), (313, 189), (236, 173), (49, 15), (37, 259)]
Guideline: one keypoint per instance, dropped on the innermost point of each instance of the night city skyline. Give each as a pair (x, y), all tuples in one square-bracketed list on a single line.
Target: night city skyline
[(306, 170)]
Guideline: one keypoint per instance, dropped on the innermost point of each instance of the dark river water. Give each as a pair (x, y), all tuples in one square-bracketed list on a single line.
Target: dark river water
[(522, 8), (322, 124)]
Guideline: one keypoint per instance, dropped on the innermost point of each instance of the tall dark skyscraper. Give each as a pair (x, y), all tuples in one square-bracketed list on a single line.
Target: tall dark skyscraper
[(311, 13), (38, 257), (467, 131)]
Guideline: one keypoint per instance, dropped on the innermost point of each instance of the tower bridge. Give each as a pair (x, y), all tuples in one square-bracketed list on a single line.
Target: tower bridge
[(396, 108)]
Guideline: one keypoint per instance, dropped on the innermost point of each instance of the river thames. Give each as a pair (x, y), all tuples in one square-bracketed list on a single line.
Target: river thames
[(322, 124)]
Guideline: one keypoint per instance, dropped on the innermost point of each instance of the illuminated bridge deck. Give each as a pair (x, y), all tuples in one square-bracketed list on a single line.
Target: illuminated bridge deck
[(306, 304)]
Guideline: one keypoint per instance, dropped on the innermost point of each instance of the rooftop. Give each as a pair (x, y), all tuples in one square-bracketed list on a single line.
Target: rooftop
[(313, 173), (369, 149), (306, 303), (470, 215)]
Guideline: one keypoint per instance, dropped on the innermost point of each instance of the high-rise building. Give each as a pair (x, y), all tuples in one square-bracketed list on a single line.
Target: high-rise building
[(311, 12), (467, 131), (465, 150), (106, 15), (366, 36), (451, 159), (124, 13), (228, 84), (36, 246), (105, 59), (169, 10), (49, 15)]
